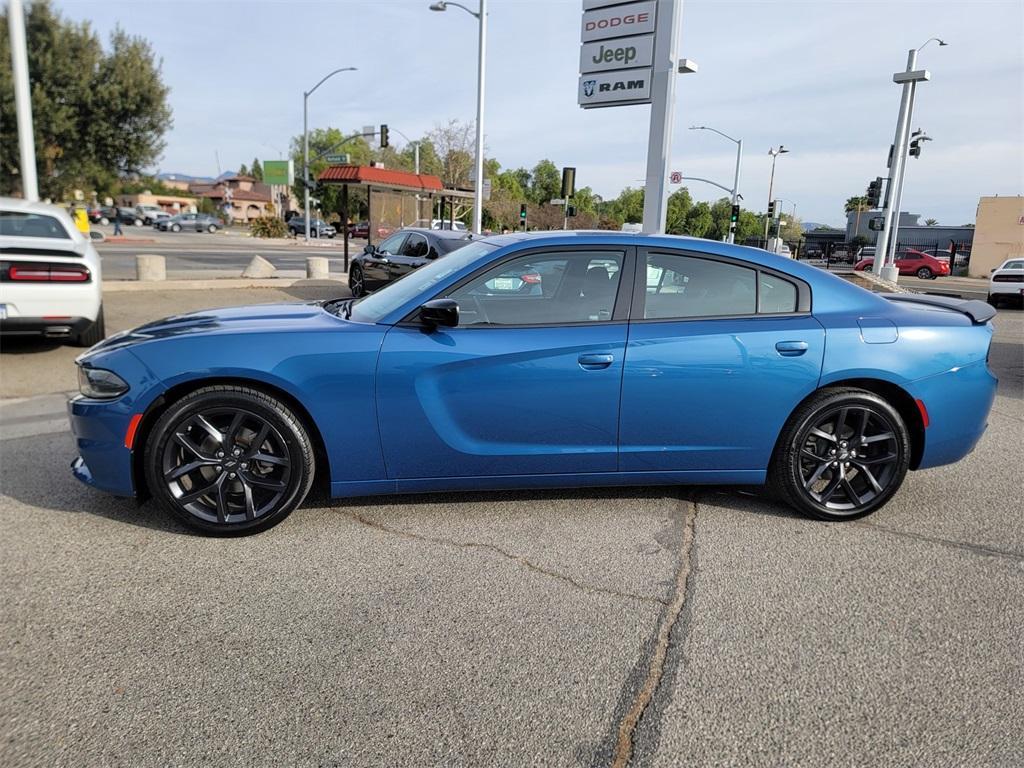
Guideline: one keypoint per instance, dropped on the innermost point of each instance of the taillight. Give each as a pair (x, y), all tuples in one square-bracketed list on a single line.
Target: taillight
[(45, 273), (531, 279)]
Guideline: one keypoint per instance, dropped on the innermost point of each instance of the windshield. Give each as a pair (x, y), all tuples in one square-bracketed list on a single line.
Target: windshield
[(389, 298)]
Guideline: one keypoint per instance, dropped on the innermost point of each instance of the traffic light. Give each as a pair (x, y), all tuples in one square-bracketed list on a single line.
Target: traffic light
[(771, 209), (383, 136), (875, 192), (876, 223), (734, 215), (916, 138), (568, 182), (522, 214)]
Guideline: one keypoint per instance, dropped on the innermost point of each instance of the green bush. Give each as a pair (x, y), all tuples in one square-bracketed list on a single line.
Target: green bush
[(268, 226)]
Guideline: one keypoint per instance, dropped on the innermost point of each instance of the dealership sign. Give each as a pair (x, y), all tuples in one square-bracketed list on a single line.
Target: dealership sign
[(616, 52)]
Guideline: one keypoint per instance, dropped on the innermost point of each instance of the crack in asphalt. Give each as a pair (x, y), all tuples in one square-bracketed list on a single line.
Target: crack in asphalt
[(508, 556), (656, 665), (977, 549)]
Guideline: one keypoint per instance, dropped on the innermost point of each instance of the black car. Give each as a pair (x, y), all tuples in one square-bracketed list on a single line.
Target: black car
[(399, 255), (102, 214), (317, 227)]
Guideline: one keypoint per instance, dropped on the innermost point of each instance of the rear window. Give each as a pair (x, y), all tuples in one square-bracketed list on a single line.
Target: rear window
[(24, 224), (447, 245)]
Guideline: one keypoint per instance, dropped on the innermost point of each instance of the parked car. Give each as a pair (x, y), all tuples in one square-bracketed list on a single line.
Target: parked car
[(101, 214), (149, 213), (398, 255), (190, 222), (50, 282), (360, 229), (912, 262), (1006, 283), (129, 216), (691, 362), (156, 218), (317, 227)]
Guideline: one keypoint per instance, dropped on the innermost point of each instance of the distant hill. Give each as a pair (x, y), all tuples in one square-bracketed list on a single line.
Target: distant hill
[(810, 226), (185, 177)]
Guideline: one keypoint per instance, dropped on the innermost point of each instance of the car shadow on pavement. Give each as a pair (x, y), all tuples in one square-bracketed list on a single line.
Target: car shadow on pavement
[(30, 345)]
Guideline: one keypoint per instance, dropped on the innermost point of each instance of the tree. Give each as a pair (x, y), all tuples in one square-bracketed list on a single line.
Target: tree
[(699, 220), (454, 144), (98, 114), (856, 203), (679, 204), (256, 169), (243, 170), (545, 182), (931, 222)]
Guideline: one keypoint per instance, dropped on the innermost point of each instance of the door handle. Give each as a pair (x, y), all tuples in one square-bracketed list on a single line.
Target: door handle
[(791, 348), (595, 362)]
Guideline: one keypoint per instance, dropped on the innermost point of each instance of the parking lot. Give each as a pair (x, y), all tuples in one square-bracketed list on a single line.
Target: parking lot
[(699, 625)]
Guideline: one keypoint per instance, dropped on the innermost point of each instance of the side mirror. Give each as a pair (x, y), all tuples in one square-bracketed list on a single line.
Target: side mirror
[(440, 312), (369, 249)]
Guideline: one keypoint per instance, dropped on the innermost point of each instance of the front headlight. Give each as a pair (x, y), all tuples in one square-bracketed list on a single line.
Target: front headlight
[(100, 384)]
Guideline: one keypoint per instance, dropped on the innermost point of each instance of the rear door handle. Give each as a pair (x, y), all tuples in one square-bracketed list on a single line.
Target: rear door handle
[(791, 348), (595, 362)]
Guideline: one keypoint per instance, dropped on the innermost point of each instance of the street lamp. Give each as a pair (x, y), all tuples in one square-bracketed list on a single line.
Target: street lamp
[(478, 191), (736, 177), (885, 245), (771, 184), (305, 138)]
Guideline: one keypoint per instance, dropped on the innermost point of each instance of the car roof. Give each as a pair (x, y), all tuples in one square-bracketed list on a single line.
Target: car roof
[(444, 234)]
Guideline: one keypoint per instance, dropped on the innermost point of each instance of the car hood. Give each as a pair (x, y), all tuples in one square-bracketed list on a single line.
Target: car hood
[(257, 318)]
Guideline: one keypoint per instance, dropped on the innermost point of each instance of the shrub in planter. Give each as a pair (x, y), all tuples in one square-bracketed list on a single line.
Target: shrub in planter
[(268, 226)]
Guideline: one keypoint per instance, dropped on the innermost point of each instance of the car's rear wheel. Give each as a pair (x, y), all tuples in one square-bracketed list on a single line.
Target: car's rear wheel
[(924, 273), (138, 222), (842, 455), (94, 334), (356, 283), (229, 460), (212, 228)]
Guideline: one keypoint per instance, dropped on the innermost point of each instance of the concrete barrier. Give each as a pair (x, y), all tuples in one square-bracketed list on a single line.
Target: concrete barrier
[(150, 266), (259, 267), (318, 268)]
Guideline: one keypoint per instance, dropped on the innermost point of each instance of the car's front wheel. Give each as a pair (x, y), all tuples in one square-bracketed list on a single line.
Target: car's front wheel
[(104, 220), (356, 282), (229, 460), (842, 455), (212, 228), (175, 227)]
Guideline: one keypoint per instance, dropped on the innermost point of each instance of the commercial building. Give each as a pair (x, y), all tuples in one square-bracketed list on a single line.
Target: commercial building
[(998, 233)]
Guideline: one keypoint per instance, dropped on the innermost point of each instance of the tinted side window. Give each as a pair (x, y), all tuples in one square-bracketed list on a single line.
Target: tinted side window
[(19, 224), (776, 295), (392, 244), (543, 289), (415, 247), (685, 286)]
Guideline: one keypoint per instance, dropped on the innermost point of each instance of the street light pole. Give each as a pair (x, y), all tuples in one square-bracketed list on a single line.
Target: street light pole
[(478, 183), (884, 265), (736, 177), (23, 100), (305, 138), (771, 186)]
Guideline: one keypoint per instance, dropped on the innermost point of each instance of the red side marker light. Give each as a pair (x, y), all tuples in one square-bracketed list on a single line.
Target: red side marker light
[(133, 426), (924, 412)]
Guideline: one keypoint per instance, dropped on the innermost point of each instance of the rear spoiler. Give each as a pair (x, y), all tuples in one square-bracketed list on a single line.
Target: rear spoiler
[(979, 311)]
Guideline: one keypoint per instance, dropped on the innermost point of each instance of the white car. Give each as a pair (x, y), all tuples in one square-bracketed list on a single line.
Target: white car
[(1007, 282), (50, 282), (150, 213)]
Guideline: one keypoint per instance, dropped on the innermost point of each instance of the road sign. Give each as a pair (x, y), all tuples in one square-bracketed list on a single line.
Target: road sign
[(676, 177), (278, 172), (616, 53), (340, 159), (487, 190), (557, 201)]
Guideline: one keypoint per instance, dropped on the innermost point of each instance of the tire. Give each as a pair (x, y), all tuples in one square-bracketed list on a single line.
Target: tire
[(313, 233), (925, 274), (804, 474), (211, 229), (175, 227), (208, 476), (94, 334), (138, 222), (356, 281), (104, 220), (993, 301)]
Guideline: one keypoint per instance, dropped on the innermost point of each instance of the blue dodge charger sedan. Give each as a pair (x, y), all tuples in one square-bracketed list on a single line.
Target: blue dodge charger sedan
[(539, 361)]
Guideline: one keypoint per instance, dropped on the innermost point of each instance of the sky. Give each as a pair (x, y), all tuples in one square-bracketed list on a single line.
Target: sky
[(813, 76)]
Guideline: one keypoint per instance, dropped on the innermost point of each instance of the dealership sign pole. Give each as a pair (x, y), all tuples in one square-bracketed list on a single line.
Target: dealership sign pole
[(628, 56)]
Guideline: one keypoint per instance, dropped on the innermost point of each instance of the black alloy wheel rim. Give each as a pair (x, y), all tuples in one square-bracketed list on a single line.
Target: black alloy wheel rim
[(924, 273), (225, 465), (849, 456), (356, 282)]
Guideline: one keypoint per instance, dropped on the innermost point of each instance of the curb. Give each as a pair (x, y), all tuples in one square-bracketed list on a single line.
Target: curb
[(127, 240), (229, 283)]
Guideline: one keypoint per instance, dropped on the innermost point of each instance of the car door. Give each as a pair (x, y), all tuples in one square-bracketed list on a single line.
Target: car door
[(720, 352), (527, 383), (413, 254), (377, 264)]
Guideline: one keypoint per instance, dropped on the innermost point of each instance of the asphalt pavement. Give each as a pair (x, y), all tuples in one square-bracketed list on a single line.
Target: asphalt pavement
[(666, 626)]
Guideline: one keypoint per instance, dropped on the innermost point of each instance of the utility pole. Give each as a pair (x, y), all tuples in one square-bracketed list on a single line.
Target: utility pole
[(305, 139), (771, 185), (22, 100), (884, 265)]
